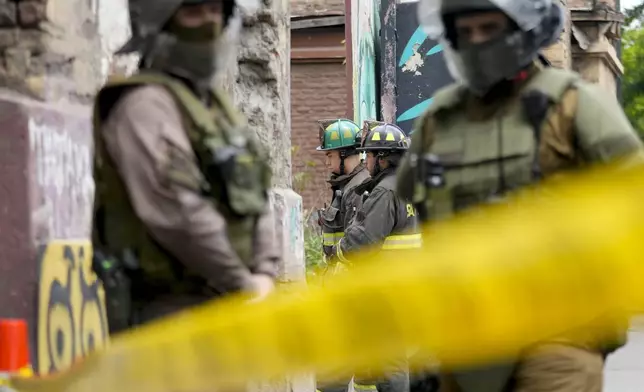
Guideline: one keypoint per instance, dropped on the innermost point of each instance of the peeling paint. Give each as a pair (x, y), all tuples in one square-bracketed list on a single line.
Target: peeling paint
[(414, 62)]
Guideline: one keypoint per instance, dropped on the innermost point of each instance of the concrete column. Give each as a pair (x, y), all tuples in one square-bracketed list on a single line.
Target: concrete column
[(262, 91)]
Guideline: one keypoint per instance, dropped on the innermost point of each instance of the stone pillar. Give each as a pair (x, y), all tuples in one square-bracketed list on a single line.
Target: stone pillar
[(595, 27), (262, 91)]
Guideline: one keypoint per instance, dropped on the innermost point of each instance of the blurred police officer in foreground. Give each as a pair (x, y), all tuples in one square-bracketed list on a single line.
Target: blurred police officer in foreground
[(181, 210), (509, 121)]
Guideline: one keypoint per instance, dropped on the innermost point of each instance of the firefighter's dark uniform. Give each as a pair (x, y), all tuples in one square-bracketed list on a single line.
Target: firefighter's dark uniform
[(384, 223), (341, 135)]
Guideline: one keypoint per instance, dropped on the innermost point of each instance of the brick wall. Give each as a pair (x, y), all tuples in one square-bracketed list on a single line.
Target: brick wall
[(318, 90)]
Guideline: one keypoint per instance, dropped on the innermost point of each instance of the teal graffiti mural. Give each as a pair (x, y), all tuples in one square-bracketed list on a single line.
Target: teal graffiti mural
[(366, 26), (413, 44)]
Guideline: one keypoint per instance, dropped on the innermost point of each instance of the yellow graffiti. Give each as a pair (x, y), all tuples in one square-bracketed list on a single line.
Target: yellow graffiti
[(71, 306)]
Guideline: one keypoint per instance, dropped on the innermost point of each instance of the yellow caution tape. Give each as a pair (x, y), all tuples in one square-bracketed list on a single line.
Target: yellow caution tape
[(483, 286)]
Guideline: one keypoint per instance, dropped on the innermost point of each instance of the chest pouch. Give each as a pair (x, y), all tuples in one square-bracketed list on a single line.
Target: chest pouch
[(238, 178), (235, 168)]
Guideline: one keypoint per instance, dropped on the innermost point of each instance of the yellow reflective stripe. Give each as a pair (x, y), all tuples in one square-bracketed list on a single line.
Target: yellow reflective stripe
[(330, 239), (364, 387), (402, 241)]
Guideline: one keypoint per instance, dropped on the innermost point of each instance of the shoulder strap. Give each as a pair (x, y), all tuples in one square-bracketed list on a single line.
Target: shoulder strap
[(189, 103), (551, 93)]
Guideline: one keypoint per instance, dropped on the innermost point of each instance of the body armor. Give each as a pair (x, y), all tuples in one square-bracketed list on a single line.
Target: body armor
[(235, 175), (483, 161), (479, 161)]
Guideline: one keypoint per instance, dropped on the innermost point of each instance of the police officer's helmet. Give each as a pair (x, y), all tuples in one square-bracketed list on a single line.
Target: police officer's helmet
[(148, 18), (385, 137)]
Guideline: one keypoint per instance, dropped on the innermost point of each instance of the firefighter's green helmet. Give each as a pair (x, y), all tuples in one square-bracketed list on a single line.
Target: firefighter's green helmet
[(338, 134)]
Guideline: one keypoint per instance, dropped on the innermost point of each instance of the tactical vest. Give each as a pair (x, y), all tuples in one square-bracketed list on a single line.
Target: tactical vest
[(233, 165), (485, 160)]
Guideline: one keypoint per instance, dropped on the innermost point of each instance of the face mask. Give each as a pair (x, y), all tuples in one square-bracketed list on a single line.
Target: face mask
[(189, 52), (482, 66)]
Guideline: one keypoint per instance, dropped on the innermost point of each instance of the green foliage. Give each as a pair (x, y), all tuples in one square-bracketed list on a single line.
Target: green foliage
[(314, 256), (633, 79), (313, 248), (633, 14), (313, 253), (302, 179)]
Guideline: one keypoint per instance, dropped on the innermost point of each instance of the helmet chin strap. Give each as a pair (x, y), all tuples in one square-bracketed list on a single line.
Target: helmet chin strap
[(376, 167), (343, 155)]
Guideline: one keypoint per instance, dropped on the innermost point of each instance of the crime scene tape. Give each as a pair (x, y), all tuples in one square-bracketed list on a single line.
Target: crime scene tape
[(483, 286)]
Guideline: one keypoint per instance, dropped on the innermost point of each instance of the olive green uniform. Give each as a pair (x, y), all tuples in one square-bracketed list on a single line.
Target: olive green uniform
[(181, 196), (545, 126)]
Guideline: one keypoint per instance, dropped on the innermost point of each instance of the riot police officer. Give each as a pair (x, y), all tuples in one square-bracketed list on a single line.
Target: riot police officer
[(509, 121), (181, 210), (384, 223)]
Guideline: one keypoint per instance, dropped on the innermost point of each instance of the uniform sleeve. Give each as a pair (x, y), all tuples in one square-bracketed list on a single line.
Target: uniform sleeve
[(154, 157), (374, 222), (265, 250), (603, 131)]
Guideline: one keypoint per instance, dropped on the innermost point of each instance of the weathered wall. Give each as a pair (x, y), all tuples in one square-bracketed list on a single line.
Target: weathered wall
[(54, 54), (318, 92), (49, 70), (262, 88)]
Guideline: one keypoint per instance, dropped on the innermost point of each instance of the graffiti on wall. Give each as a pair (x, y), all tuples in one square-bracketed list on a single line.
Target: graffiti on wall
[(364, 35), (61, 149), (420, 69), (71, 306)]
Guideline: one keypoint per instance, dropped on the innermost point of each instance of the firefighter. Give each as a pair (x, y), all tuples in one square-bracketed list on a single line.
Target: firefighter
[(384, 223), (181, 210), (339, 140), (509, 121)]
